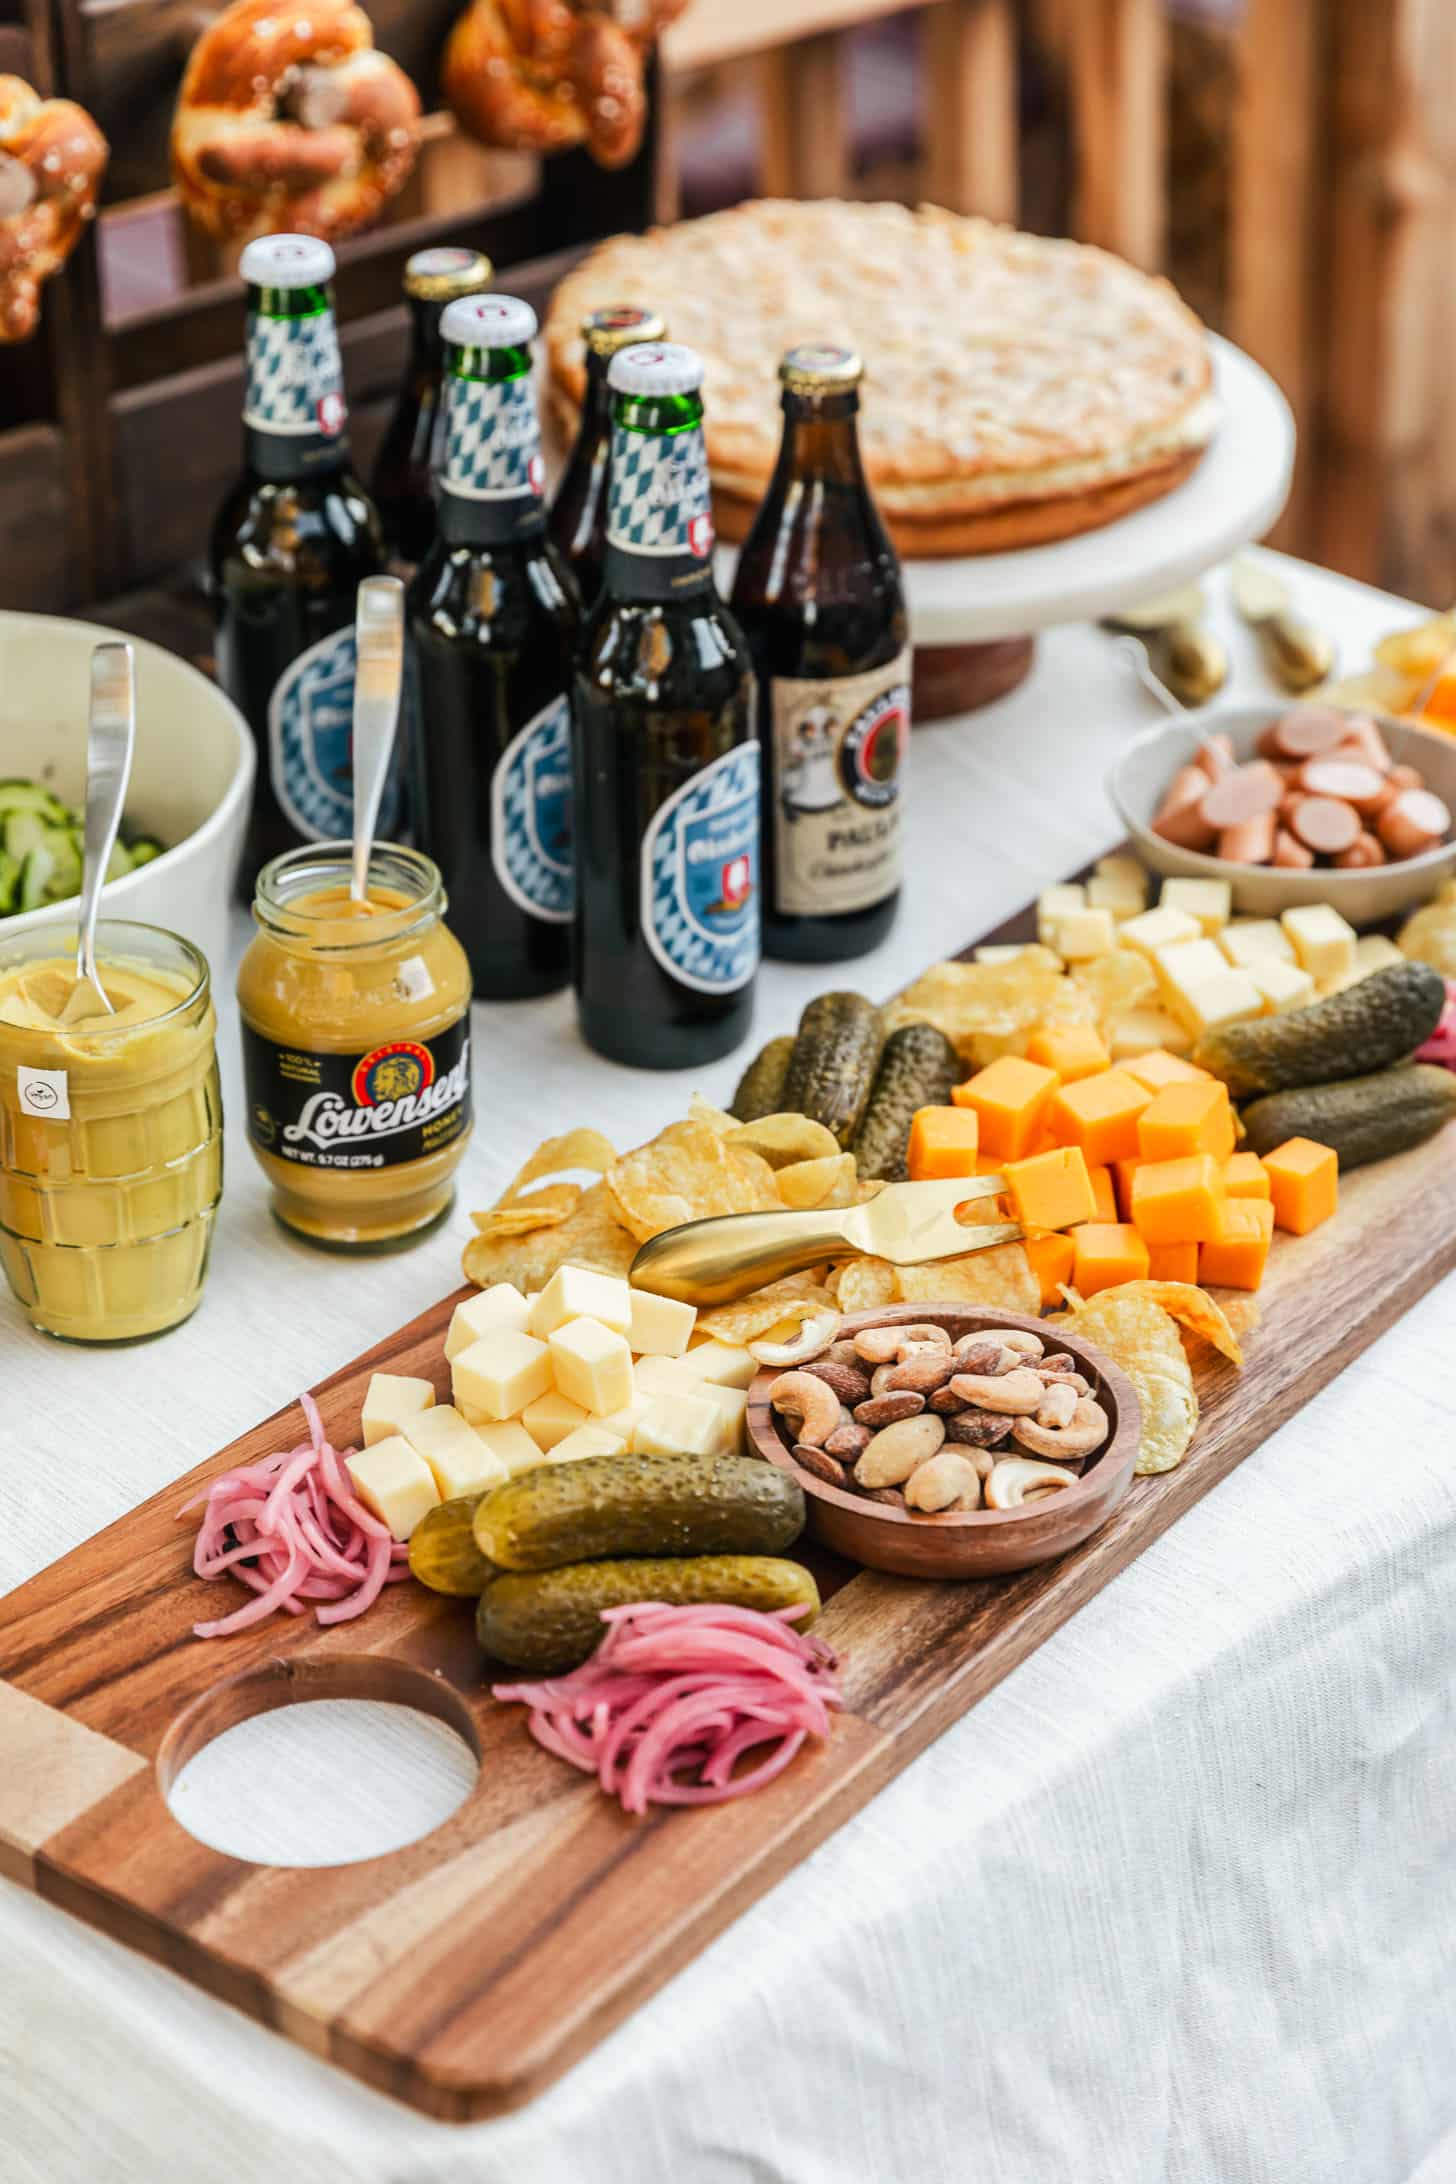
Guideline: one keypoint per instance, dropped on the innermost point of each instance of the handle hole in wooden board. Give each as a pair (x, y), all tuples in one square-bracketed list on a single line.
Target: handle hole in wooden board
[(320, 1763)]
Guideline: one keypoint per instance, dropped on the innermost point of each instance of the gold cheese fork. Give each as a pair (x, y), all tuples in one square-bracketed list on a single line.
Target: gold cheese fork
[(712, 1262)]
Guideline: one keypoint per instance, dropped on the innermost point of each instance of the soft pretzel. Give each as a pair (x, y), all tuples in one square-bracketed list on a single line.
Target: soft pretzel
[(540, 75), (289, 119), (51, 159)]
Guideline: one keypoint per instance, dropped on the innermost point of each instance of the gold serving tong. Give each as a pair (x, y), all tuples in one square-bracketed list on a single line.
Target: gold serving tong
[(1182, 653), (712, 1262), (1296, 653)]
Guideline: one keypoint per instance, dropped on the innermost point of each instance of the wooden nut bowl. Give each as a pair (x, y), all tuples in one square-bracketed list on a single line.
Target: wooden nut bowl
[(977, 1542)]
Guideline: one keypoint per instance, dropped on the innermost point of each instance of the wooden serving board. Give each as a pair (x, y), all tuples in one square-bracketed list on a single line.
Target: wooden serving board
[(466, 1971)]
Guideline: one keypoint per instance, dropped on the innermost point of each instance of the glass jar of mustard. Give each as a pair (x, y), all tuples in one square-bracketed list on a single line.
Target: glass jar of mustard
[(110, 1133), (356, 1045)]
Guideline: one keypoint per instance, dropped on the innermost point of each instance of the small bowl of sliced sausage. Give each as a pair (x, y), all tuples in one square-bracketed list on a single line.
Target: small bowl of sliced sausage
[(1294, 804)]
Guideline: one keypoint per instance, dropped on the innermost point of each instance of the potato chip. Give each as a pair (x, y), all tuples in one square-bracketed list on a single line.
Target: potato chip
[(1114, 984), (795, 1298), (863, 1285), (687, 1173), (1001, 1277), (832, 1180), (1135, 1331), (590, 1236), (542, 1209), (785, 1140), (1429, 934), (1190, 1306), (1169, 1420), (586, 1149), (717, 1118), (984, 1008)]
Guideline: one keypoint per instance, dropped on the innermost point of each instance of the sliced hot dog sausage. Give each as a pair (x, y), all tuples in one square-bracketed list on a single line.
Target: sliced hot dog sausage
[(1351, 780), (1287, 851), (1251, 841), (1179, 818), (1325, 825), (1243, 794), (1364, 850), (1215, 756), (1414, 823), (1306, 730), (1364, 740), (1398, 778)]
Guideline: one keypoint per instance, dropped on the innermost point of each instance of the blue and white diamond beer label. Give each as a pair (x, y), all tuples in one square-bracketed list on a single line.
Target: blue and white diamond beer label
[(660, 500), (493, 440), (530, 814), (295, 376), (311, 741), (700, 876)]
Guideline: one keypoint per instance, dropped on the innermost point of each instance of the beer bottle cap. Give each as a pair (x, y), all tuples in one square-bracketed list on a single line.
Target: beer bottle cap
[(656, 367), (488, 322), (437, 276), (287, 261), (820, 367), (618, 326)]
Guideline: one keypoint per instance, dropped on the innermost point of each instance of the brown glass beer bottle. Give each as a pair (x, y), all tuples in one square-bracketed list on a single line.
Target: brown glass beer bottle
[(577, 524)]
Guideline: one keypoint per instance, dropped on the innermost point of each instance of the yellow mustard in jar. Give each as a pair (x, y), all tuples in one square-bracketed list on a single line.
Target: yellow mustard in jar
[(356, 1045), (110, 1133)]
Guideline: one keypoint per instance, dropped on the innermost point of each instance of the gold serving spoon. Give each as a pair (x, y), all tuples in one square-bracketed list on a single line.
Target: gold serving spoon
[(712, 1262), (1182, 652), (1297, 655)]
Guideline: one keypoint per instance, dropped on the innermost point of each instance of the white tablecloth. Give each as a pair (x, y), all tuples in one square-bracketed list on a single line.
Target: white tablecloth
[(1173, 1905)]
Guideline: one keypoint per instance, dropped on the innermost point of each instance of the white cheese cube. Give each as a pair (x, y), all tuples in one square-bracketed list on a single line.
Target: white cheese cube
[(1281, 986), (678, 1425), (1373, 951), (1181, 967), (1107, 893), (1001, 951), (1138, 1031), (1323, 942), (508, 1442), (578, 1292), (592, 1365), (621, 1422), (1052, 905), (551, 1417), (661, 1327), (588, 1441), (1248, 941), (501, 1373), (1157, 929), (662, 1375), (731, 1404), (1085, 934), (453, 1450), (394, 1483), (389, 1400), (726, 1362), (1122, 872), (502, 1305), (1209, 901), (1224, 997)]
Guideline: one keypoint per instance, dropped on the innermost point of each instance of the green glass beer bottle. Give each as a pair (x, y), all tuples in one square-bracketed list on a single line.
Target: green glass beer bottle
[(578, 519), (665, 754), (290, 545), (492, 618), (413, 442), (819, 596)]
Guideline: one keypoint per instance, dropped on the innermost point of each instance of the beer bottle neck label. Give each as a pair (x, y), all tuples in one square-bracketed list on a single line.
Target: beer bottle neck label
[(700, 876), (493, 465), (837, 750), (311, 743), (293, 408), (530, 816), (659, 514)]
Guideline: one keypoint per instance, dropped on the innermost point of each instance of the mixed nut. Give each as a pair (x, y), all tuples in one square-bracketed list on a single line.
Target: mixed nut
[(906, 1416)]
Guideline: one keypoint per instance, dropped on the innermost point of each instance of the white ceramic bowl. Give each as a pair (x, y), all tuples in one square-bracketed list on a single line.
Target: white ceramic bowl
[(191, 780), (1138, 780)]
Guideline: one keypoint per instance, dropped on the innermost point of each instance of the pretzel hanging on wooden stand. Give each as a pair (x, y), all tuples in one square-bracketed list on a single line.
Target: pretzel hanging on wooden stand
[(52, 156), (289, 119), (542, 75)]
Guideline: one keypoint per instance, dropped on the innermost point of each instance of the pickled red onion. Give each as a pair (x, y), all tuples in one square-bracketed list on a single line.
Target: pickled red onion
[(292, 1529), (1441, 1046), (671, 1690)]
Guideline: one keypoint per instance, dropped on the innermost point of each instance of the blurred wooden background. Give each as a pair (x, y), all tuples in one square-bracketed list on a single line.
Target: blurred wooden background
[(1291, 163)]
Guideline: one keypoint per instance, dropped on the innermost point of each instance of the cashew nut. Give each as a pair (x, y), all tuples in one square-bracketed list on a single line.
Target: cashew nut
[(813, 1339), (808, 1403), (1020, 1392), (1016, 1479), (943, 1481), (1019, 1338), (1085, 1430), (878, 1345), (1057, 1409)]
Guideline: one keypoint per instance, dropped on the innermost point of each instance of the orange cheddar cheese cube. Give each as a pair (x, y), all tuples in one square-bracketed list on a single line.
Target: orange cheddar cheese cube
[(1244, 1176), (1173, 1262), (1051, 1190), (1179, 1201), (1304, 1184), (943, 1141), (1184, 1119), (1104, 1195), (1100, 1116), (1009, 1097), (1158, 1069), (1123, 1172), (1235, 1258), (1051, 1259), (1072, 1050), (1107, 1252), (987, 1165)]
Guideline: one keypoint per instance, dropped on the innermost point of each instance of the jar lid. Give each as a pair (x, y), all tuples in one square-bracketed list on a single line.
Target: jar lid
[(656, 367), (488, 322), (619, 325), (439, 275), (820, 367), (287, 261)]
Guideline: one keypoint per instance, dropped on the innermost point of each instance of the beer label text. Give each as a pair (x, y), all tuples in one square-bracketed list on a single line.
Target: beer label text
[(838, 753), (700, 876)]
